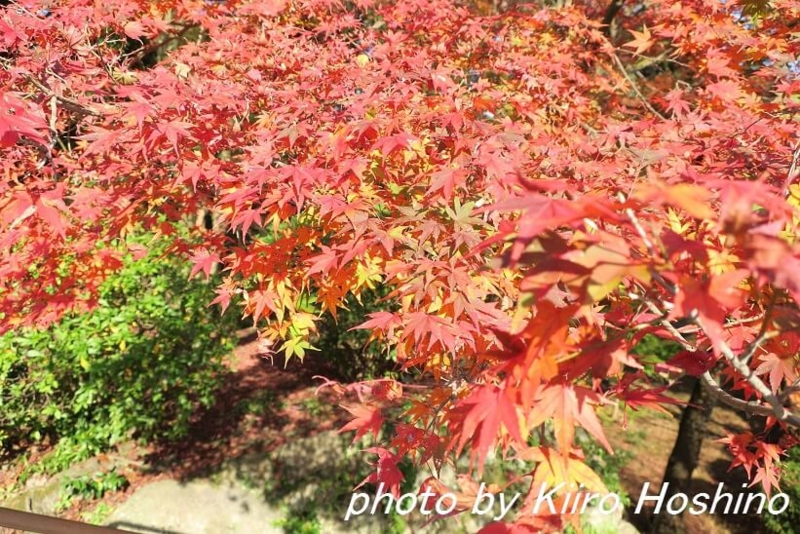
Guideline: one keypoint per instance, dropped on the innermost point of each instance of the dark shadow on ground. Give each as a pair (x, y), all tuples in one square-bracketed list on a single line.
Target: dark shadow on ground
[(659, 437), (732, 484), (270, 433), (250, 416), (735, 482), (141, 528)]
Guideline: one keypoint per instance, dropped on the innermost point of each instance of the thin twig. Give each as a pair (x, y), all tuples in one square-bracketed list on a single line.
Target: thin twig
[(746, 320), (686, 344), (639, 228), (669, 286), (793, 168), (635, 87)]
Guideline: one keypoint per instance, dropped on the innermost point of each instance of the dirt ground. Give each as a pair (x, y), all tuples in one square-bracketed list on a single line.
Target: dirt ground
[(650, 436), (261, 406), (264, 405)]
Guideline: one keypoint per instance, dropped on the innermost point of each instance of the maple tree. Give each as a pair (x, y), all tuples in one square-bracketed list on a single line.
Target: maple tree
[(537, 189)]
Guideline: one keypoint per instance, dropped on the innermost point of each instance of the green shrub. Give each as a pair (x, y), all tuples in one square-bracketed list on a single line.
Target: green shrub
[(655, 349), (607, 466), (652, 350), (91, 487), (136, 366), (305, 522), (349, 352), (786, 523)]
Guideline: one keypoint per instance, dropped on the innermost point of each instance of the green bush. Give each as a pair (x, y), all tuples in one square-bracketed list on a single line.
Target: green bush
[(136, 366), (786, 523), (607, 466), (91, 487), (349, 352), (659, 349)]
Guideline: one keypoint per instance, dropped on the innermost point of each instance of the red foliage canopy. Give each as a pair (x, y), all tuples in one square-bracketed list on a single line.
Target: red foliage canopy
[(537, 190)]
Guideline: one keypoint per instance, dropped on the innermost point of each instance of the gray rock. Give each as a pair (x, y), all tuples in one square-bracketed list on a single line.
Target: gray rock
[(197, 507), (595, 522), (42, 494)]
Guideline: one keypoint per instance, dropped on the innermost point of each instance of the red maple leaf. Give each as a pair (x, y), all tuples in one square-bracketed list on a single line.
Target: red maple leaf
[(16, 121), (779, 368), (567, 405), (490, 407), (367, 419), (693, 363), (203, 260), (386, 471)]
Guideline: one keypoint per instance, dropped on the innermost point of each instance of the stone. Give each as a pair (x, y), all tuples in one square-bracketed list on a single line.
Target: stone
[(42, 494), (197, 507)]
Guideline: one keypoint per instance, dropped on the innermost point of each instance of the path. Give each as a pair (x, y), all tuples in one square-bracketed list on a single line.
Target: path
[(246, 497)]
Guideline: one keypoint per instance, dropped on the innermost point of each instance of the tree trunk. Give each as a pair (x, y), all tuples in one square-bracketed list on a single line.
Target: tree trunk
[(685, 455)]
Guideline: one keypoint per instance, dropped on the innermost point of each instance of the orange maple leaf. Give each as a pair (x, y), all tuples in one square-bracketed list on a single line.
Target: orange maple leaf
[(642, 40), (367, 419)]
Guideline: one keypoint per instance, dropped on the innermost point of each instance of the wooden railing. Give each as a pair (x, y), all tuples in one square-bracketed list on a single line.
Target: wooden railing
[(28, 522)]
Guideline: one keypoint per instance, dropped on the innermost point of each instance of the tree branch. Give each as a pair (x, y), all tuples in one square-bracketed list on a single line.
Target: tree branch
[(776, 406), (611, 12), (739, 363), (755, 408), (686, 344), (635, 87), (68, 103), (793, 170)]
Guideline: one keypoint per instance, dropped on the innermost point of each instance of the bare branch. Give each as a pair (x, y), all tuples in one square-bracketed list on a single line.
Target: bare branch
[(639, 229), (670, 327), (775, 403), (68, 103), (746, 320), (755, 408)]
